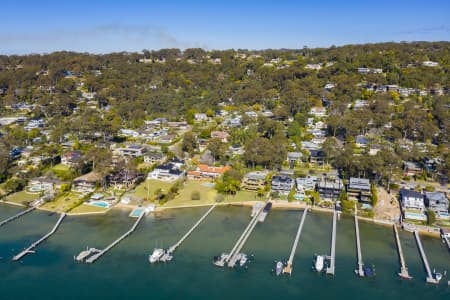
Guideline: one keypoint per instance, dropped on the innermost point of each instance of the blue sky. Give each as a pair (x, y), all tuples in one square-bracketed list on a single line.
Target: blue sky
[(34, 26)]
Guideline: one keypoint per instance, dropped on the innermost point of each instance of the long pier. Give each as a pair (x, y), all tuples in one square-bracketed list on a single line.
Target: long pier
[(175, 246), (233, 255), (360, 270), (403, 269), (430, 278), (288, 268), (99, 254), (330, 269), (35, 244), (16, 216)]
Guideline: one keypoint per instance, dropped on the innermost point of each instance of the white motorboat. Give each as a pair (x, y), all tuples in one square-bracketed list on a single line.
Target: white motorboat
[(156, 255), (318, 265), (279, 268)]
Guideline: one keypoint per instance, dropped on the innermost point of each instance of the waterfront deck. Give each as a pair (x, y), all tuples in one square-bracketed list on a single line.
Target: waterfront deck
[(288, 268), (172, 249), (16, 216), (99, 254), (403, 269), (430, 278), (42, 239), (360, 270), (232, 256), (331, 267)]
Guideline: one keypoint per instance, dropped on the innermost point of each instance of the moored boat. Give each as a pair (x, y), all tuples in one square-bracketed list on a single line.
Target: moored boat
[(156, 255), (319, 263)]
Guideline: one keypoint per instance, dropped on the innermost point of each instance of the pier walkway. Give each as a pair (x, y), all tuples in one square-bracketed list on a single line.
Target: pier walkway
[(288, 268), (35, 244), (175, 246), (430, 278), (330, 269), (233, 255), (403, 269), (360, 270), (99, 254), (16, 216)]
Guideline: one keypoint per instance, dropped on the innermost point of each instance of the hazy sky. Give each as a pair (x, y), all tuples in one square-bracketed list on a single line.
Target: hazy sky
[(35, 26)]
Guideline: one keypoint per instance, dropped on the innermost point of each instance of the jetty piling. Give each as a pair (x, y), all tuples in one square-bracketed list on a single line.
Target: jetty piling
[(330, 269), (16, 216), (100, 253), (403, 269), (35, 244), (430, 278), (288, 268)]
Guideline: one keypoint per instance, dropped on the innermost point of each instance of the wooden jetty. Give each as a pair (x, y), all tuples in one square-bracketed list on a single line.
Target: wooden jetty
[(232, 257), (99, 254), (331, 267), (403, 269), (16, 216), (175, 246), (35, 244), (288, 268), (360, 270), (430, 278)]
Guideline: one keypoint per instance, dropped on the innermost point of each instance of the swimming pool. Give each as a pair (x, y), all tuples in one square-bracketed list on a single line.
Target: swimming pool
[(99, 203), (36, 189), (415, 216), (209, 184), (136, 212)]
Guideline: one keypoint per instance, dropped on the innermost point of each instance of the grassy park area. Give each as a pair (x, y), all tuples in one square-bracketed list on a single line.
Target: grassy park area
[(64, 202), (22, 197)]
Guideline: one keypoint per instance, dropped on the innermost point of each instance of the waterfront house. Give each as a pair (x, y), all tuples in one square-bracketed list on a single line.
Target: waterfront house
[(44, 184), (412, 169), (282, 184), (166, 172), (154, 157), (307, 183), (205, 172), (254, 181), (359, 189), (86, 183), (124, 179), (412, 204), (70, 158), (131, 151), (329, 188), (437, 202)]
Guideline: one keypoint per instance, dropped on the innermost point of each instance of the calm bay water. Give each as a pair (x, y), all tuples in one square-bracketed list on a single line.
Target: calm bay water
[(124, 272)]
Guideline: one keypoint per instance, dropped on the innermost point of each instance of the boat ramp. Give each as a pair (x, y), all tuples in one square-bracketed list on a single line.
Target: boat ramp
[(35, 244)]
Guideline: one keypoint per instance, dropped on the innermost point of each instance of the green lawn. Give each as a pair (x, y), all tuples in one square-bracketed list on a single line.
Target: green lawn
[(85, 208), (153, 185), (22, 197), (243, 196), (61, 170), (63, 203), (207, 194)]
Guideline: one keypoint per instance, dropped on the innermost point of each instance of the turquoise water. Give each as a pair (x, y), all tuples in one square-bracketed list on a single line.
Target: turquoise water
[(124, 272), (136, 212), (99, 203)]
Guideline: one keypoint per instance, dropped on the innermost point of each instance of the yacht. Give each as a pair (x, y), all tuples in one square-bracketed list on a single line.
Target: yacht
[(318, 265), (156, 255), (279, 268)]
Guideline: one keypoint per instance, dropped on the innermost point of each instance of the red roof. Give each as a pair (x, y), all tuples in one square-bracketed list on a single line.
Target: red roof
[(207, 169)]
